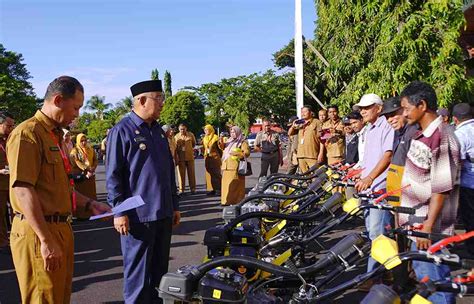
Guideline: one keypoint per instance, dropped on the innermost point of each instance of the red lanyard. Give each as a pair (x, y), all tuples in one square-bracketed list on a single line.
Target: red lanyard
[(67, 167)]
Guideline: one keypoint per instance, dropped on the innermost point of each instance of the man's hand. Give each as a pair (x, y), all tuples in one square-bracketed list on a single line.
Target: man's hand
[(176, 218), (364, 184), (422, 243), (89, 174), (122, 225), (52, 255), (99, 208), (321, 158), (4, 172)]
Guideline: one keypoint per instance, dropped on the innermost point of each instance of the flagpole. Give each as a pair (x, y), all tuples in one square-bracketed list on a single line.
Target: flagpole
[(299, 82)]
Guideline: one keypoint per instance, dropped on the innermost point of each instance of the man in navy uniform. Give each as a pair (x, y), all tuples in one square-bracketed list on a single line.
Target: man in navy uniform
[(139, 162)]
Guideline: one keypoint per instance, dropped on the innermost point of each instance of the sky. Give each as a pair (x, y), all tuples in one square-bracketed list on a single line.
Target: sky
[(111, 44)]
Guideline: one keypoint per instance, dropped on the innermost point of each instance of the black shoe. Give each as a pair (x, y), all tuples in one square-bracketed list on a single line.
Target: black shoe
[(211, 193)]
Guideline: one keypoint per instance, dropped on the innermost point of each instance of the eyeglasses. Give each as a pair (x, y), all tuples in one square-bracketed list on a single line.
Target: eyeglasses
[(160, 99)]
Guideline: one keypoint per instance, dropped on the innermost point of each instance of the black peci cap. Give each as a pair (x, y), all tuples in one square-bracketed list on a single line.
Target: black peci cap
[(462, 111), (391, 105), (146, 86)]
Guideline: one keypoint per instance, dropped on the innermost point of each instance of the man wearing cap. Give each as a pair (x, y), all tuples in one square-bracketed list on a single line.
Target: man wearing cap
[(444, 113), (139, 162), (43, 197), (6, 126), (310, 149), (352, 142), (359, 127), (291, 151), (464, 122), (404, 132), (377, 155), (333, 131), (268, 142)]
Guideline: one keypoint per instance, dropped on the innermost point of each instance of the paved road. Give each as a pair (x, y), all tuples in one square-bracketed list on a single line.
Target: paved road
[(98, 261)]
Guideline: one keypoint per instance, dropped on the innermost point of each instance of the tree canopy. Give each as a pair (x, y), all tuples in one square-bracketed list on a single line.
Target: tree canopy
[(242, 99), (380, 46), (16, 92), (184, 107), (167, 85)]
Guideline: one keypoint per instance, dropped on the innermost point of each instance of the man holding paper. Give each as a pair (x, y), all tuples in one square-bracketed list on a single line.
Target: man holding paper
[(139, 162), (43, 197)]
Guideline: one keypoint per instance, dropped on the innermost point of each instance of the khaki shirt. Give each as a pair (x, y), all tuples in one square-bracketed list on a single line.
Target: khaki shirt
[(34, 158), (172, 144), (309, 140), (185, 146), (268, 142), (3, 162), (335, 146), (212, 151), (231, 164)]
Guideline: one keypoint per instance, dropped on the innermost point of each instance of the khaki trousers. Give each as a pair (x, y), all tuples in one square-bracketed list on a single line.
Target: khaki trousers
[(188, 166), (213, 174), (3, 218), (36, 284), (306, 163)]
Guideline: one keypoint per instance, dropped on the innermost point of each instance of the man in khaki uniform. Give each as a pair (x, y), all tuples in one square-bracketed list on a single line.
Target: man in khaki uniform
[(6, 126), (169, 132), (41, 239), (333, 136), (185, 142), (291, 150), (268, 142), (310, 149)]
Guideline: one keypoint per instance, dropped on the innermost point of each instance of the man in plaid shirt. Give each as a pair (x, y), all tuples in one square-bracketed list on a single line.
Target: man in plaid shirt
[(432, 171)]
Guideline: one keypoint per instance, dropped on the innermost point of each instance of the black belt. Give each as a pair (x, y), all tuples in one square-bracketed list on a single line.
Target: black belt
[(55, 218)]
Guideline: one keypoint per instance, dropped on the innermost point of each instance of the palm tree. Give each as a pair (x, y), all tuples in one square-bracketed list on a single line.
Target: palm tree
[(127, 103), (97, 103)]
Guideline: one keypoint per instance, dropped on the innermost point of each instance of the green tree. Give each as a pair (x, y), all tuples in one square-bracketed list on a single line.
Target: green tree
[(242, 99), (167, 80), (97, 130), (16, 92), (381, 46), (184, 107), (155, 75), (97, 104)]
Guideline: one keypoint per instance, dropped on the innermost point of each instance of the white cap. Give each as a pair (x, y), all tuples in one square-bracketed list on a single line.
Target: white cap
[(368, 100), (166, 128)]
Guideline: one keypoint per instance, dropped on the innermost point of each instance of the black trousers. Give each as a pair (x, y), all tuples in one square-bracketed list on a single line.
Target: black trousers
[(271, 160), (146, 251), (466, 213)]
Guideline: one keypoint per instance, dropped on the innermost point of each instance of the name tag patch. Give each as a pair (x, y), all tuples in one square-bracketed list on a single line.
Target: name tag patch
[(56, 149)]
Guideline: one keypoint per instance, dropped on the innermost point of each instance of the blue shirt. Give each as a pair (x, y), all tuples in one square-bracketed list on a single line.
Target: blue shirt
[(139, 162), (379, 138), (465, 134)]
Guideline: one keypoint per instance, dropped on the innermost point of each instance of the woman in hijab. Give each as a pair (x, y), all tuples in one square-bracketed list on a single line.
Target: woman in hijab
[(84, 160), (235, 149), (212, 160), (67, 142)]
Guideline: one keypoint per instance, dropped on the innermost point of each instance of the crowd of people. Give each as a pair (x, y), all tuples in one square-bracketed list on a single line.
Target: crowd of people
[(404, 142)]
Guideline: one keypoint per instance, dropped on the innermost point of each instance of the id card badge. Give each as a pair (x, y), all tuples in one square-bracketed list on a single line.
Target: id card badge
[(208, 151), (302, 141), (183, 149)]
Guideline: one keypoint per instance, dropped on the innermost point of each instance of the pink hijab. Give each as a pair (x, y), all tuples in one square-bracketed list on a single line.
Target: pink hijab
[(233, 142)]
